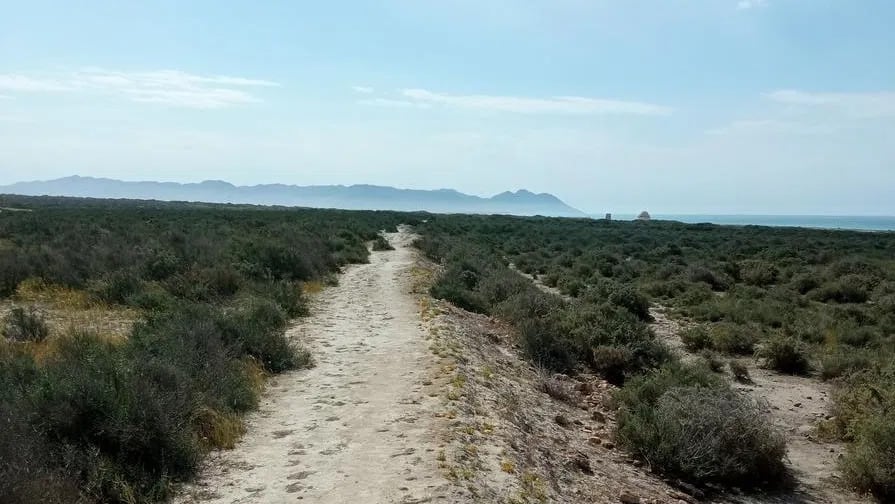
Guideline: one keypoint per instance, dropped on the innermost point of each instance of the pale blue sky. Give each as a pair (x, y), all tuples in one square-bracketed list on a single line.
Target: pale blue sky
[(676, 106)]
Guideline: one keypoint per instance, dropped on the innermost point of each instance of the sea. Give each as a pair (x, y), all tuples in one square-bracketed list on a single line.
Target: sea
[(851, 222)]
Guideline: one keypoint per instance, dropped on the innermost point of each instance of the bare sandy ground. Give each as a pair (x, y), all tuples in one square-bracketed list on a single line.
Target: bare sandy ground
[(355, 428)]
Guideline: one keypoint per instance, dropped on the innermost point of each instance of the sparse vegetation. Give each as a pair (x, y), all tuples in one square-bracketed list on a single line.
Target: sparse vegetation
[(22, 324), (800, 300)]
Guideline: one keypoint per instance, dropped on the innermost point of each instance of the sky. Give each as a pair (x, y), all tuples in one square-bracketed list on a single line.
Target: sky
[(674, 106)]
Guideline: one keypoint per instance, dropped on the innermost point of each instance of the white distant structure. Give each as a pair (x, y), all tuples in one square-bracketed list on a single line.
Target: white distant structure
[(644, 216)]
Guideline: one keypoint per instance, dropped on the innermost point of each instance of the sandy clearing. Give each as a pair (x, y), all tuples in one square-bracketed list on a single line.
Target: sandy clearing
[(796, 404), (355, 428)]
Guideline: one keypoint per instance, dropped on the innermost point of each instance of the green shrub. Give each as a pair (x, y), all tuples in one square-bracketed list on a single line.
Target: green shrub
[(758, 273), (220, 281), (381, 244), (161, 264), (712, 360), (840, 363), (696, 338), (848, 289), (805, 282), (286, 294), (153, 298), (733, 339), (717, 281), (869, 464), (502, 285), (548, 348), (686, 423), (258, 331), (125, 430), (117, 287), (22, 324), (636, 348), (631, 300), (455, 290), (786, 355)]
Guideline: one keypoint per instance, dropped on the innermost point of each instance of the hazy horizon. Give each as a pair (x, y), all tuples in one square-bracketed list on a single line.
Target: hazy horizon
[(728, 107)]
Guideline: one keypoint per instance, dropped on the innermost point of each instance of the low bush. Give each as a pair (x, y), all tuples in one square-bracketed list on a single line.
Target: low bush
[(869, 465), (288, 295), (848, 289), (717, 281), (739, 371), (454, 290), (116, 287), (381, 244), (733, 339), (631, 300), (22, 324), (712, 360), (696, 338), (623, 346), (786, 355), (687, 423), (758, 273), (258, 331), (839, 363), (722, 337), (126, 429)]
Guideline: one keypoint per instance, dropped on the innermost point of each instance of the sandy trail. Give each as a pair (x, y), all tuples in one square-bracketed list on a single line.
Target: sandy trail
[(356, 427)]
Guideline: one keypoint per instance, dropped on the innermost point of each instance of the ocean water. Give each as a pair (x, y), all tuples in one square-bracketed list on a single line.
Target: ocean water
[(862, 223)]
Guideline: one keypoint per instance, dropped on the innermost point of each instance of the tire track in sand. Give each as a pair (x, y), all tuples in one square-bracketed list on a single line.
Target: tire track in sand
[(356, 427)]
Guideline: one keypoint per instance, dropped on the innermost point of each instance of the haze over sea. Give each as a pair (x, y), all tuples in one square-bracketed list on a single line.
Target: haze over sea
[(855, 222)]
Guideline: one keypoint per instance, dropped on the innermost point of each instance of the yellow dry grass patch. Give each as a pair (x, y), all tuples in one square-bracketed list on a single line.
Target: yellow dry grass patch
[(312, 287), (67, 309), (219, 430), (256, 374)]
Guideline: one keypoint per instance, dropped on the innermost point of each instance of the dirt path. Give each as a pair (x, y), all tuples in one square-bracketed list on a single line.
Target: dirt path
[(355, 428), (796, 405)]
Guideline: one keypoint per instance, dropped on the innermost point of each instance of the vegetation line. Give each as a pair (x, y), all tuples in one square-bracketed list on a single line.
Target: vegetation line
[(91, 417)]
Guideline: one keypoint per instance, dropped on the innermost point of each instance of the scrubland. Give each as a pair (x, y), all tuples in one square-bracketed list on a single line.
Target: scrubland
[(816, 303), (137, 334)]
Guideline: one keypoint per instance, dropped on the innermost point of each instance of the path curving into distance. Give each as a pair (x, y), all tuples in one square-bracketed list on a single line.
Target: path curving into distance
[(356, 427)]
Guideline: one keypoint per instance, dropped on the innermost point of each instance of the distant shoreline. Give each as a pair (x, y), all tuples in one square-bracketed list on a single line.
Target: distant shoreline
[(843, 222)]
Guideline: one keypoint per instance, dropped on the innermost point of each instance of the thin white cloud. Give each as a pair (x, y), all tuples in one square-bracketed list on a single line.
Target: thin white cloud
[(749, 4), (362, 89), (773, 127), (26, 84), (168, 87), (855, 105), (572, 105), (389, 103)]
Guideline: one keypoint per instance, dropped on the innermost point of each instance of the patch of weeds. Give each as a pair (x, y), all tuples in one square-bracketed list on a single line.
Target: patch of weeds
[(507, 466), (22, 324)]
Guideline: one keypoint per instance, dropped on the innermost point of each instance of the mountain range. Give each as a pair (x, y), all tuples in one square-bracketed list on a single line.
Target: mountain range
[(353, 197)]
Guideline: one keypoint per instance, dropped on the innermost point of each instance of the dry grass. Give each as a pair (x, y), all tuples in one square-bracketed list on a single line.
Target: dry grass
[(66, 308), (219, 430), (312, 287)]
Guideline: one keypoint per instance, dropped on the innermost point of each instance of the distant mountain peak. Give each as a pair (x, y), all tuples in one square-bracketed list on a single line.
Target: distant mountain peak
[(526, 195), (354, 197)]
